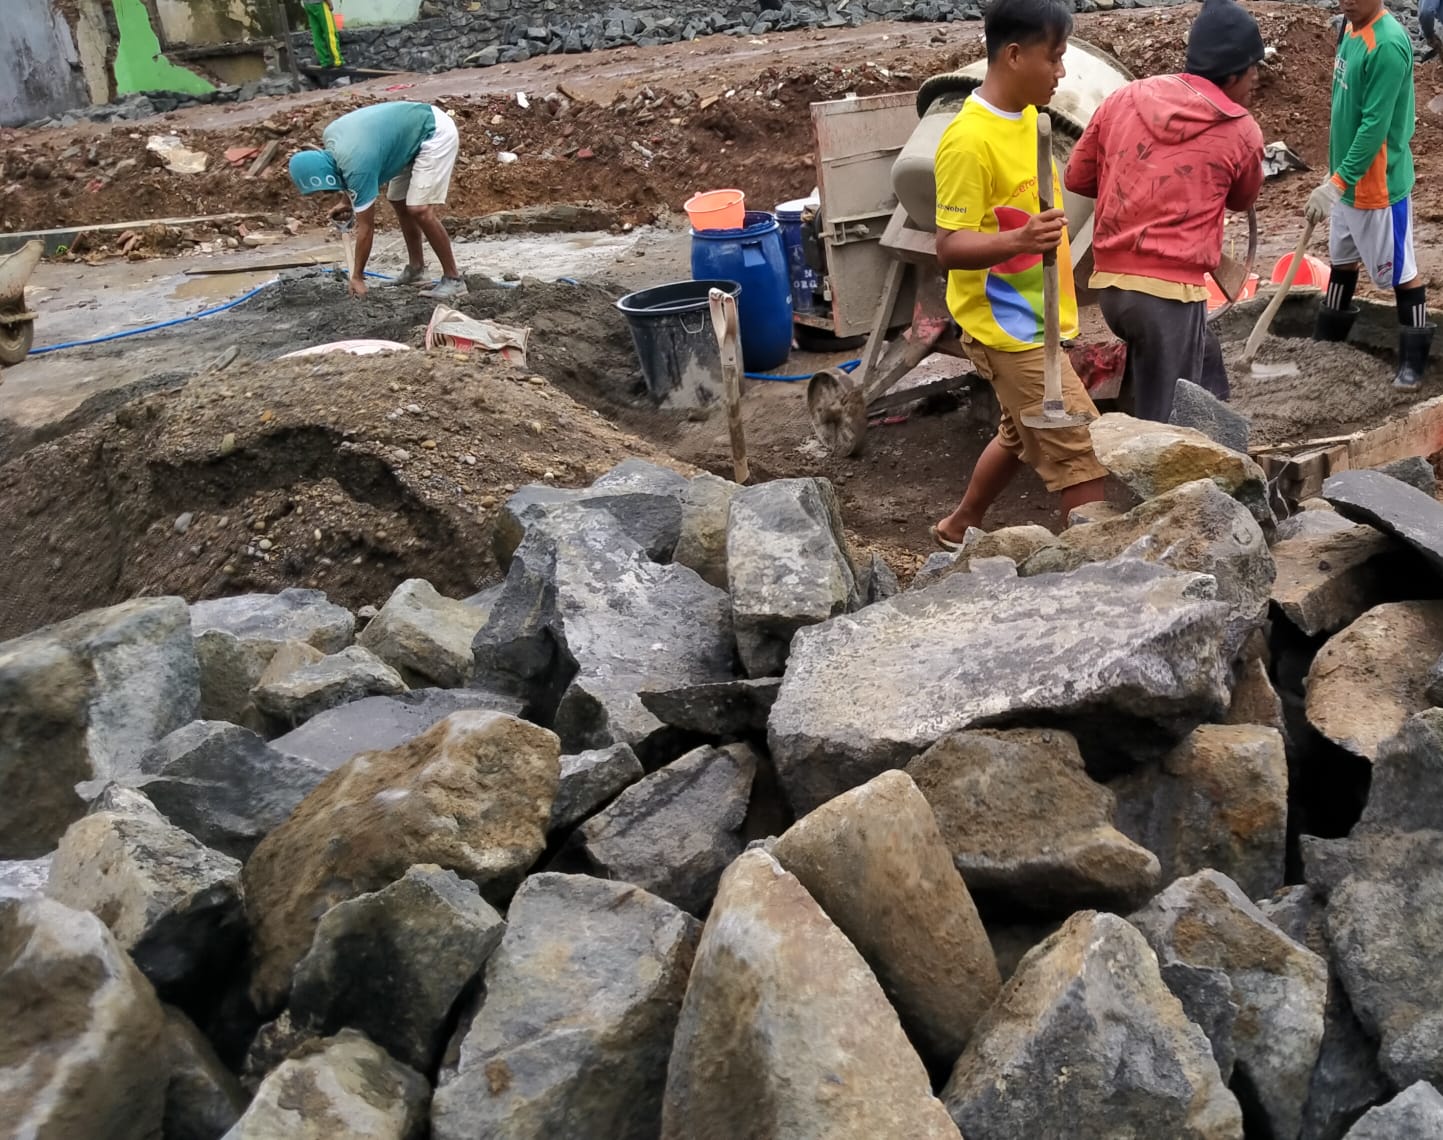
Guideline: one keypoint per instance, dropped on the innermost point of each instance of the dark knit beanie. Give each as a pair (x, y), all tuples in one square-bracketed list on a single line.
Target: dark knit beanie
[(1224, 40)]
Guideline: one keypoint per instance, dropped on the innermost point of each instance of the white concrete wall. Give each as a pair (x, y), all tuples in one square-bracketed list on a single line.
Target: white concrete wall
[(41, 74), (362, 12)]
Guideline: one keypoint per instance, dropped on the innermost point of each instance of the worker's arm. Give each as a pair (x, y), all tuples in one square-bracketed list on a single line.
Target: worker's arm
[(365, 235), (1387, 71), (1248, 174), (1082, 167), (971, 249)]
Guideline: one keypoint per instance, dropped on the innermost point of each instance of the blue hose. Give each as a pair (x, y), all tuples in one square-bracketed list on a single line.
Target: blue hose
[(172, 322), (850, 366), (152, 328)]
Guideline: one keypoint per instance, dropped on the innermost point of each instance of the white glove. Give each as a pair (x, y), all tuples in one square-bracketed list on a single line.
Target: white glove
[(1322, 200)]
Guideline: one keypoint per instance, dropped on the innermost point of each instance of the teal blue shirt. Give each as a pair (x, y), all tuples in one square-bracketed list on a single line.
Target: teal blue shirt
[(373, 144)]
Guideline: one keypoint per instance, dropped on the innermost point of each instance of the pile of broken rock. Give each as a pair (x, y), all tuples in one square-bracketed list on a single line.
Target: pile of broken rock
[(695, 826)]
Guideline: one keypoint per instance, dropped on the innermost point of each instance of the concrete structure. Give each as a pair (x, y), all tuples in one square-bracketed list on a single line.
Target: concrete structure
[(44, 75)]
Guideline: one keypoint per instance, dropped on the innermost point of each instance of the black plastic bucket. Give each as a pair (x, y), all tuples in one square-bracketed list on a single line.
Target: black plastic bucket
[(671, 328)]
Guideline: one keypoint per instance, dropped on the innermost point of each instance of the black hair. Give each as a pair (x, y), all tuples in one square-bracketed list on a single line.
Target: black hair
[(1026, 22)]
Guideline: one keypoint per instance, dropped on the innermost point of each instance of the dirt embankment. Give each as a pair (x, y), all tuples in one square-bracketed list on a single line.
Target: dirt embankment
[(343, 473)]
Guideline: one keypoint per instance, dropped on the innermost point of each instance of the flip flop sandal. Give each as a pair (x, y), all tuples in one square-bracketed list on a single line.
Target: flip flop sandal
[(944, 542)]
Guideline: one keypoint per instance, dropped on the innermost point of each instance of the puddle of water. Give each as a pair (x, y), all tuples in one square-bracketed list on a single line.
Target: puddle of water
[(219, 287)]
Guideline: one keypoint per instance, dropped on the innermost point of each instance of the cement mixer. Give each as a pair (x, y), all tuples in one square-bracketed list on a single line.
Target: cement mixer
[(877, 241)]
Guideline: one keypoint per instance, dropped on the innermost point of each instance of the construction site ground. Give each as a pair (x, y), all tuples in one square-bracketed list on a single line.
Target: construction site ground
[(141, 465)]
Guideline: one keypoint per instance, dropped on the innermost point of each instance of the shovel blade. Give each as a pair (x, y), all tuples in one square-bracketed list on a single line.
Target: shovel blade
[(1274, 371), (1054, 415)]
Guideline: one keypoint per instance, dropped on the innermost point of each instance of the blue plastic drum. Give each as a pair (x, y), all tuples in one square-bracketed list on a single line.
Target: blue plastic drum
[(754, 258)]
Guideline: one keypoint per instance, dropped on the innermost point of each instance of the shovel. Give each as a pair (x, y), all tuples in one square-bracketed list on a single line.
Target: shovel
[(1260, 330), (1054, 414)]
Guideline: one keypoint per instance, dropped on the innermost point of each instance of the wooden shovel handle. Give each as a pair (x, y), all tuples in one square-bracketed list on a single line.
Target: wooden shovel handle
[(1260, 330), (1051, 313)]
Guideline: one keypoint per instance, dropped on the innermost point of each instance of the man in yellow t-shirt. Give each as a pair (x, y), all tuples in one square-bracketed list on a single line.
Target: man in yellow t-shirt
[(991, 238)]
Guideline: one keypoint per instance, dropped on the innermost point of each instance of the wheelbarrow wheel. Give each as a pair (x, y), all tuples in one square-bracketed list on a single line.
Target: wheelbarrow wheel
[(16, 337)]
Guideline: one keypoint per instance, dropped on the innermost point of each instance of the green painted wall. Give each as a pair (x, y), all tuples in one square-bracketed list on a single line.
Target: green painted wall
[(139, 64)]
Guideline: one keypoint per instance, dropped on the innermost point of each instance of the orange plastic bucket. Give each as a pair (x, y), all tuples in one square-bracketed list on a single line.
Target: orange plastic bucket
[(1314, 271), (340, 19), (1216, 299), (717, 210)]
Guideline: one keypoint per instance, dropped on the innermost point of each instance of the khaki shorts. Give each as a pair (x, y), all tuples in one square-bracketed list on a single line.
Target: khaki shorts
[(1063, 457), (427, 180)]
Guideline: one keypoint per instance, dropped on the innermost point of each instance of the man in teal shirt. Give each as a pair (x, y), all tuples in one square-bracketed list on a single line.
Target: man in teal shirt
[(1367, 197), (410, 148)]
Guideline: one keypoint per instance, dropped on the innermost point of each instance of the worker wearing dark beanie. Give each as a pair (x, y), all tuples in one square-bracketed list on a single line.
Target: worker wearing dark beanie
[(1166, 158), (1224, 41)]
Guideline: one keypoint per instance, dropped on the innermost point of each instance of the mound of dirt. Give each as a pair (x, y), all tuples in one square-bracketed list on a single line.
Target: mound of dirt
[(343, 473), (1337, 389)]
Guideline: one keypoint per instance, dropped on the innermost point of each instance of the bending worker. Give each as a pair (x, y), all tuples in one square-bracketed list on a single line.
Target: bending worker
[(1165, 157), (411, 149)]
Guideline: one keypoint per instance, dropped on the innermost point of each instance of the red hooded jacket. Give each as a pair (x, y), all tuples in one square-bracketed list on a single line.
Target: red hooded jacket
[(1163, 157)]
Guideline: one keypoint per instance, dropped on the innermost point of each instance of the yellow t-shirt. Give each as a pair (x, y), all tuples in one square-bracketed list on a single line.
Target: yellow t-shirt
[(1152, 286), (987, 181)]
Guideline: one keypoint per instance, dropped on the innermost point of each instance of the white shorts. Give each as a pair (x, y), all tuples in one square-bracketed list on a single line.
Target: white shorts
[(1381, 239), (426, 181)]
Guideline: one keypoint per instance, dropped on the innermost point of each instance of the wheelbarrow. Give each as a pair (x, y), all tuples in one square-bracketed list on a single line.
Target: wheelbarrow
[(17, 323), (876, 224)]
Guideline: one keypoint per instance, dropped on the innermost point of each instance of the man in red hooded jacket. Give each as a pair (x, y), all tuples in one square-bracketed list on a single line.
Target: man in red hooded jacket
[(1165, 157)]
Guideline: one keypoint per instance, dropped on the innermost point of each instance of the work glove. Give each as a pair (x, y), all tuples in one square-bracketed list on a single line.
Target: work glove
[(1322, 200)]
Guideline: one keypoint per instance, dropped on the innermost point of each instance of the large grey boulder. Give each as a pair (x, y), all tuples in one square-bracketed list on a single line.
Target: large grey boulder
[(1346, 1080), (1265, 990), (874, 860), (344, 1086), (170, 901), (784, 1033), (291, 615), (644, 501), (203, 1099), (705, 508), (727, 710), (338, 679), (1415, 470), (81, 702), (83, 1029), (1406, 791), (393, 963), (590, 781), (377, 723), (1134, 646), (1331, 572), (236, 638), (1025, 824), (1193, 406), (224, 784), (574, 1033), (473, 795), (674, 832), (1220, 800), (1087, 1040), (1385, 927), (788, 566), (1416, 1113), (587, 621), (1370, 678), (424, 636), (1196, 526), (1151, 459), (1393, 507)]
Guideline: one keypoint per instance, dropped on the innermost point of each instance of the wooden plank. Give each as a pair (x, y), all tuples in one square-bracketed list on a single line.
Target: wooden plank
[(1420, 432), (1304, 474), (258, 267), (264, 159)]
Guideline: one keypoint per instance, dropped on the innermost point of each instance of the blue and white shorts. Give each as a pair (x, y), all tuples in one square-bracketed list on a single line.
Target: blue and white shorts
[(1381, 239)]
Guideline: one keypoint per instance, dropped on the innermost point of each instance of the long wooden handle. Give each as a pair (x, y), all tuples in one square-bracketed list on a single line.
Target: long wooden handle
[(1260, 330), (1051, 313), (723, 308)]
